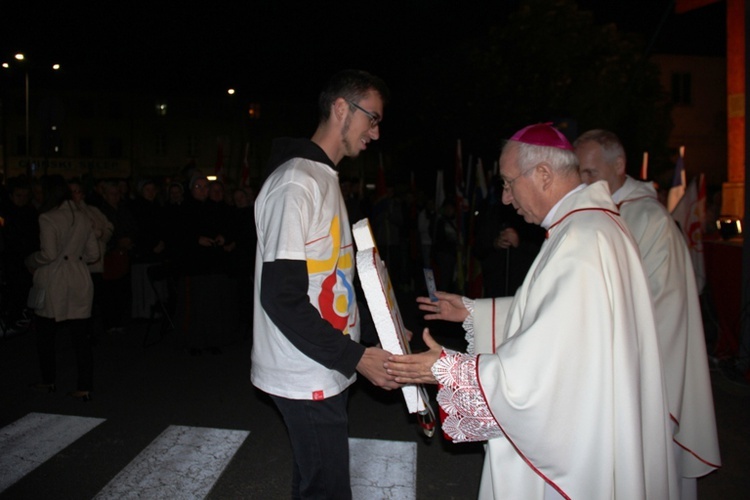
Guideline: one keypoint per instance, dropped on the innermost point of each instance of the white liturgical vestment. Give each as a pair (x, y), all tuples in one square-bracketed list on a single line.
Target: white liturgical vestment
[(679, 326), (572, 375)]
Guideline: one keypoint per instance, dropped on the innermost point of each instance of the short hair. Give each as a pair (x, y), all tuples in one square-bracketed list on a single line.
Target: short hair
[(195, 178), (56, 191), (610, 143), (142, 185), (351, 85), (562, 161), (20, 182)]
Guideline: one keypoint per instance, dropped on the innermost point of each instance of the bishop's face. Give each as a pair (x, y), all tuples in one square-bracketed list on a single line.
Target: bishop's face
[(520, 188), (362, 124)]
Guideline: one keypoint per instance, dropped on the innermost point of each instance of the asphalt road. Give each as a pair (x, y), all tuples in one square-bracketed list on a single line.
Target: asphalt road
[(141, 391)]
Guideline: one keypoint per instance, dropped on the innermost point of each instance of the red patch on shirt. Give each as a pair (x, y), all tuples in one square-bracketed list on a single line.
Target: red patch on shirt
[(318, 395)]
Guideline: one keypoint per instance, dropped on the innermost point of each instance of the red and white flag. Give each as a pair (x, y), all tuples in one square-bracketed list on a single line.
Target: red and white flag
[(677, 190), (690, 214), (219, 167), (245, 179)]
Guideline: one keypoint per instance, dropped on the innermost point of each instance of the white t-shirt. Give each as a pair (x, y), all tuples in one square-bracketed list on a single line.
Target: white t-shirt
[(301, 215)]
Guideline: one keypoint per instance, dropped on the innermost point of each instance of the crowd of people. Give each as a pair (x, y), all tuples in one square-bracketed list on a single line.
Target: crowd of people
[(189, 246)]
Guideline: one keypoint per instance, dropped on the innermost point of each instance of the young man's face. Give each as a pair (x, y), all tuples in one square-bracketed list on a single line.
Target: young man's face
[(358, 131)]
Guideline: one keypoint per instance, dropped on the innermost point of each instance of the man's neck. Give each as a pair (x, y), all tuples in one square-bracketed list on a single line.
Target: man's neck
[(327, 140)]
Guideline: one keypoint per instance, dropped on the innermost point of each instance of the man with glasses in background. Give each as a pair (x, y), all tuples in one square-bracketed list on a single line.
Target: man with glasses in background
[(307, 324)]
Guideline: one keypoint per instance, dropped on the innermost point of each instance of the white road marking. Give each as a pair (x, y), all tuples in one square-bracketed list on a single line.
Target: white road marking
[(383, 469), (30, 441), (185, 462), (182, 462)]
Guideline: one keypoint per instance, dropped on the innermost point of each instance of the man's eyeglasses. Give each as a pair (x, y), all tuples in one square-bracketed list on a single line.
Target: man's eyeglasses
[(374, 117), (508, 184)]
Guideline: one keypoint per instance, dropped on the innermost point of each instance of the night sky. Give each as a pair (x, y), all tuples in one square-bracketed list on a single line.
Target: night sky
[(285, 49)]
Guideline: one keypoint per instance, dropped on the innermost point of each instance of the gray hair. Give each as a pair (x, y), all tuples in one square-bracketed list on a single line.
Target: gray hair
[(562, 161), (609, 142)]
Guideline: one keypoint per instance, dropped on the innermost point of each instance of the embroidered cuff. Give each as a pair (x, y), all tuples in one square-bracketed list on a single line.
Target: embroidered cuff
[(468, 324), (465, 413)]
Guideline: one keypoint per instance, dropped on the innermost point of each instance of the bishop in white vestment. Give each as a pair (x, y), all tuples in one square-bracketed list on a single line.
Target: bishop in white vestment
[(565, 380)]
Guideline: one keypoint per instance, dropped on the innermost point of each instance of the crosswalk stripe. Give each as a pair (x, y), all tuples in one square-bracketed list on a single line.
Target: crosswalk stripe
[(381, 469), (30, 441), (182, 462), (185, 462)]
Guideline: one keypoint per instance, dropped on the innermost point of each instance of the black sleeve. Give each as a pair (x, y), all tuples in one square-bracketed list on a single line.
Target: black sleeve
[(283, 296), (368, 333)]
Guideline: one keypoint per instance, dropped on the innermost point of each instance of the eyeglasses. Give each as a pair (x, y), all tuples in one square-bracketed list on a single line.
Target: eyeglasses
[(508, 185), (374, 117)]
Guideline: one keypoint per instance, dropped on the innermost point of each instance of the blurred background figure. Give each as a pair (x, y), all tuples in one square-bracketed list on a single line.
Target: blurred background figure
[(206, 308), (426, 230), (148, 249), (445, 247), (67, 245), (20, 232), (505, 244), (243, 256), (117, 260), (103, 230)]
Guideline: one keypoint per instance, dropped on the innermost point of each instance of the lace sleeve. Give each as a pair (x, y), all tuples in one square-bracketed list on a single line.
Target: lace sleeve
[(464, 411), (468, 325)]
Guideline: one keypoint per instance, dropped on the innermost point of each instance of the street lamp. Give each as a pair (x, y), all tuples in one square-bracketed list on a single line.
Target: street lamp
[(21, 58)]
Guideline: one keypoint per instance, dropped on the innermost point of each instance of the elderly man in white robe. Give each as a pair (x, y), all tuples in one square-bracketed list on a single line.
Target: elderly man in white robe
[(671, 279), (564, 380)]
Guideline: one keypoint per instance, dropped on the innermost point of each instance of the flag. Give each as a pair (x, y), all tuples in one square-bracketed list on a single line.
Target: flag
[(677, 190), (413, 212), (439, 198), (481, 181), (219, 167), (245, 168), (461, 208), (474, 285), (690, 215), (439, 191), (461, 201)]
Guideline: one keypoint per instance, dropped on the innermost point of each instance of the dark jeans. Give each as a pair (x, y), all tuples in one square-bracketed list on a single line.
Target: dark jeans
[(319, 433), (46, 331)]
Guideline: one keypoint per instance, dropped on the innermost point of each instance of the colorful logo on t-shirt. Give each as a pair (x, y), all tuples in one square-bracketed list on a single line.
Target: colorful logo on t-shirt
[(337, 292)]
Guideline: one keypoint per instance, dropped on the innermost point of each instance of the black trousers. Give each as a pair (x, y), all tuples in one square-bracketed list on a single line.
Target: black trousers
[(46, 331), (319, 432)]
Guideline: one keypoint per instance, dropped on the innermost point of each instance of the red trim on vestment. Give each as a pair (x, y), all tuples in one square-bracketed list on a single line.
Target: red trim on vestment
[(644, 197), (716, 466), (520, 453), (677, 423), (605, 210), (494, 349)]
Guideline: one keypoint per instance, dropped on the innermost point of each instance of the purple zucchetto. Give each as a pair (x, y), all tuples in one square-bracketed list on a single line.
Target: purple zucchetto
[(542, 134)]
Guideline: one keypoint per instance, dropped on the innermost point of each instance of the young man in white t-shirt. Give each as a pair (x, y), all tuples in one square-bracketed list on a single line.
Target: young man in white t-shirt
[(307, 325)]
